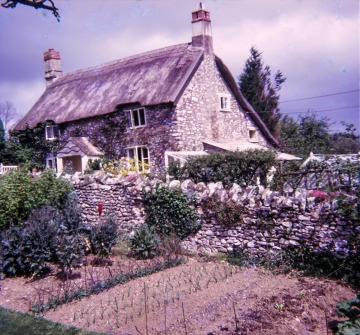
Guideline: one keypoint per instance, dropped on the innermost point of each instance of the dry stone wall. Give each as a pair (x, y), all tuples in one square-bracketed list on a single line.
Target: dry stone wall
[(268, 221)]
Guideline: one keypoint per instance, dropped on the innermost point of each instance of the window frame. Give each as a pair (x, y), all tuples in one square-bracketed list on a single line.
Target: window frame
[(224, 97), (55, 134), (134, 117), (138, 151)]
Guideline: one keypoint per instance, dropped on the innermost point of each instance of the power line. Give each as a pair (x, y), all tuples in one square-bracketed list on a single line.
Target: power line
[(320, 96), (322, 110)]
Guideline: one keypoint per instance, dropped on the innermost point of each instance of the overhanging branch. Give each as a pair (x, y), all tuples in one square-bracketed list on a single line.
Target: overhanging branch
[(35, 4)]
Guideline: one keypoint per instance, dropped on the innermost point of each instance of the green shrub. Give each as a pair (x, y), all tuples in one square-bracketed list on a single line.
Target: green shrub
[(238, 167), (171, 212), (11, 257), (351, 310), (49, 235), (104, 236), (20, 193), (144, 242), (225, 213), (70, 249)]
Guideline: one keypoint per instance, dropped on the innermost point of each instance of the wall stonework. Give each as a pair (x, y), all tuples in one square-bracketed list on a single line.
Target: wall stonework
[(269, 222), (198, 115)]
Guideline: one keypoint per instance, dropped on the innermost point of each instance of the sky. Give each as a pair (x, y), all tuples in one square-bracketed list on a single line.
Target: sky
[(314, 43)]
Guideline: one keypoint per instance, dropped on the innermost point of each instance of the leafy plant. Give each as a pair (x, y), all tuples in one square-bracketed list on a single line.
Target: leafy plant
[(20, 193), (103, 236), (171, 212), (144, 242), (225, 213), (238, 167), (351, 310)]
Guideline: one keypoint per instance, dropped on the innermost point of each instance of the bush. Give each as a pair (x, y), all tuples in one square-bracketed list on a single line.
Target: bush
[(238, 167), (171, 212), (49, 235), (20, 194), (144, 242), (103, 236), (226, 214), (351, 310)]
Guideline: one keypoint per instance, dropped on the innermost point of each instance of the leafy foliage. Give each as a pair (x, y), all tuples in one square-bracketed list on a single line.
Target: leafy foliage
[(103, 236), (144, 242), (108, 134), (171, 212), (225, 213), (233, 167), (351, 310), (20, 193), (309, 133), (29, 147), (256, 85), (2, 138), (49, 235)]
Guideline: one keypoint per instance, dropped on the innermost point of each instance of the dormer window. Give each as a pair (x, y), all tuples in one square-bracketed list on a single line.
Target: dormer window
[(253, 135), (224, 102), (52, 132), (136, 117)]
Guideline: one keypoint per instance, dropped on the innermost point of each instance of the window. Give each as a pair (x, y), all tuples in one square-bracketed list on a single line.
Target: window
[(253, 135), (224, 102), (51, 132), (140, 155), (51, 161), (136, 117)]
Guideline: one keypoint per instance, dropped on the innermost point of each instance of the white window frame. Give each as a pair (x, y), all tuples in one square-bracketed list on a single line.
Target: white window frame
[(51, 162), (135, 119), (224, 102), (50, 133), (138, 152)]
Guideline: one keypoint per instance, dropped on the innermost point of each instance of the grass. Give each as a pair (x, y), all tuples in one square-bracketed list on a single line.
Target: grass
[(16, 323)]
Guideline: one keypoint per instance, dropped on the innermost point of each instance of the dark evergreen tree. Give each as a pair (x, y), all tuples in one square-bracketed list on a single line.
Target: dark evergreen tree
[(2, 139), (256, 85)]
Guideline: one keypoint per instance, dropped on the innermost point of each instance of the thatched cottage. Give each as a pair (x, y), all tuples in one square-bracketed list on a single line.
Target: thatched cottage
[(160, 105)]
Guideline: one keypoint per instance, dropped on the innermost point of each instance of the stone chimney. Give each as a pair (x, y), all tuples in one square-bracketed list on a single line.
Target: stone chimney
[(201, 28), (52, 66)]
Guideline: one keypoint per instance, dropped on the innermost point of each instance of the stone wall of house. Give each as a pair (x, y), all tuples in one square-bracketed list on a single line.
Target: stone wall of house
[(269, 220), (198, 116), (111, 132)]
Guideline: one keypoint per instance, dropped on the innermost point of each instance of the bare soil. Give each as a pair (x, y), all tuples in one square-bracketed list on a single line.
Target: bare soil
[(200, 298)]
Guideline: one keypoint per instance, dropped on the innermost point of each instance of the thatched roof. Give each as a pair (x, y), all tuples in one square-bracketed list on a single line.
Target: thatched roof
[(150, 78)]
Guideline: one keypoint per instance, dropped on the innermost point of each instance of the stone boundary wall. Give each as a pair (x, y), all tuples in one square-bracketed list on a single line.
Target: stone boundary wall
[(270, 221)]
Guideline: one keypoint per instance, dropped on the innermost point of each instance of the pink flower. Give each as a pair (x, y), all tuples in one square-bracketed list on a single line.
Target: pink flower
[(319, 195)]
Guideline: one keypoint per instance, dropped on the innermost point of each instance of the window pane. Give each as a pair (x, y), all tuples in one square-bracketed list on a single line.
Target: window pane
[(56, 131), (136, 118), (142, 116), (131, 153), (128, 116), (49, 132)]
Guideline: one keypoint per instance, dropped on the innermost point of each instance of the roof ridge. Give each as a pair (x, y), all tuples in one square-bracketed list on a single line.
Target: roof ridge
[(109, 64)]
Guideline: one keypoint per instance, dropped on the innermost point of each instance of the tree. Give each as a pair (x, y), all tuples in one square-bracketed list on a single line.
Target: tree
[(346, 142), (309, 133), (256, 85), (8, 114), (2, 138)]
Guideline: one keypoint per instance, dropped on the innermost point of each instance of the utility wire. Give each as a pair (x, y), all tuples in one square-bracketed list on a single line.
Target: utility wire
[(322, 110), (319, 96)]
